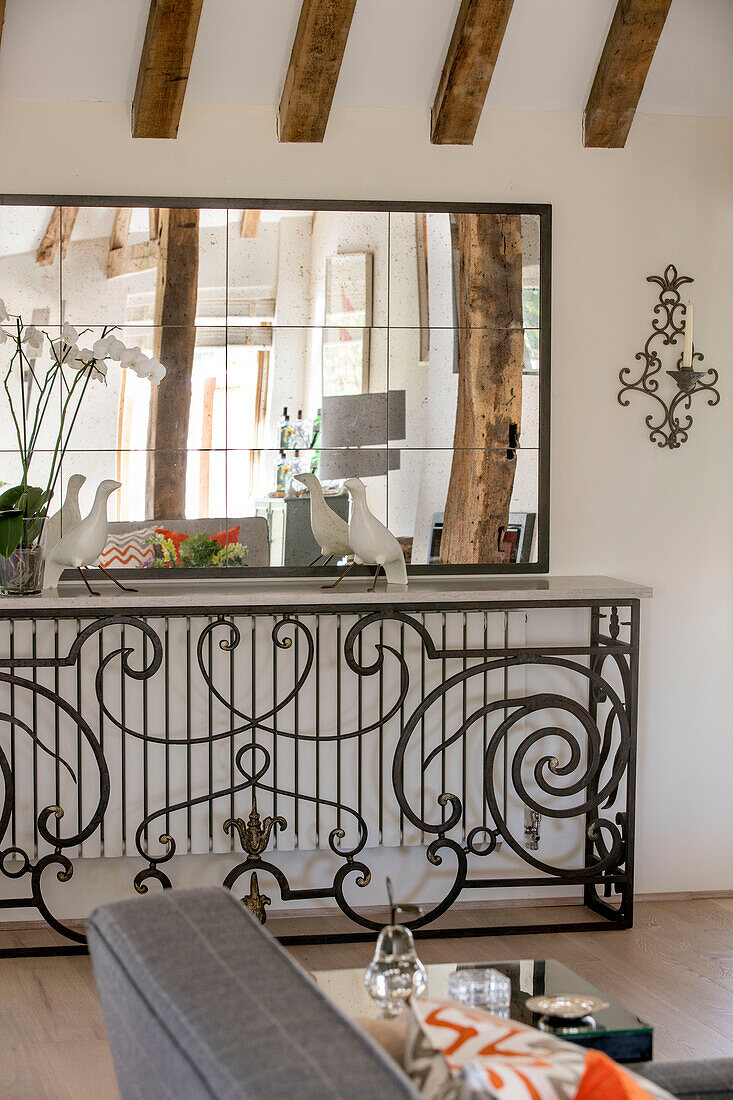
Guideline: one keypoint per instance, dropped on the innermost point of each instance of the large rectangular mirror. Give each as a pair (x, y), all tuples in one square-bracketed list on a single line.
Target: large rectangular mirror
[(404, 344)]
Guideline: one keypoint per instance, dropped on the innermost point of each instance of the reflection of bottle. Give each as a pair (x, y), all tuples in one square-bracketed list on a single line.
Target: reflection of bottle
[(285, 431), (316, 443), (301, 432), (284, 473)]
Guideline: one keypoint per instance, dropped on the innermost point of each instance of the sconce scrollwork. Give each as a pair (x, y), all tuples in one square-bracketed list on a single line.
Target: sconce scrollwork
[(670, 424)]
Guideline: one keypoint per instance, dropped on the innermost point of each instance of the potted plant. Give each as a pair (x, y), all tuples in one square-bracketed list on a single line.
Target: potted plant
[(45, 374)]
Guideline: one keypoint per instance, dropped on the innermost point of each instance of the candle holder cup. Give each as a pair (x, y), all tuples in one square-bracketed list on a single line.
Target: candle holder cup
[(686, 378)]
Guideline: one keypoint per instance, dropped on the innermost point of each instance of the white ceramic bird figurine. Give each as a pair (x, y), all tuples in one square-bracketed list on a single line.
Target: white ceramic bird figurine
[(329, 530), (68, 515), (371, 542), (81, 546)]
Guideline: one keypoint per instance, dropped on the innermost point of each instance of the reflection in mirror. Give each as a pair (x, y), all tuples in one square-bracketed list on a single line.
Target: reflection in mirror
[(400, 347)]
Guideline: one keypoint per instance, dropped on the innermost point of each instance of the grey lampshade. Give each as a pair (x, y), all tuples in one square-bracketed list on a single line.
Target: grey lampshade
[(362, 420), (357, 462)]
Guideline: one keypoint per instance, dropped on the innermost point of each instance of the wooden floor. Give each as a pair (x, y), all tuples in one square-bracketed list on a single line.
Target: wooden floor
[(675, 968)]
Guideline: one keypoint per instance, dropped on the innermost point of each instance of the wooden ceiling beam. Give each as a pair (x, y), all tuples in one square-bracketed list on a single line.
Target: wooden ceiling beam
[(315, 63), (2, 19), (468, 69), (622, 71), (250, 222), (128, 259), (58, 233), (165, 63)]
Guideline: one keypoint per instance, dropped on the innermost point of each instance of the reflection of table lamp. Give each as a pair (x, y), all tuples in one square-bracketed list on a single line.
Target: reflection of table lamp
[(352, 428)]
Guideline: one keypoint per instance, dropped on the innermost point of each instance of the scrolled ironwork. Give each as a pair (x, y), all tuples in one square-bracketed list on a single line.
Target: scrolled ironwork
[(566, 755), (668, 428)]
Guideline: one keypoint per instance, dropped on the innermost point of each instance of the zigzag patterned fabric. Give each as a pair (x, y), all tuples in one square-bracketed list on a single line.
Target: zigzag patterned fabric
[(454, 1052), (128, 551)]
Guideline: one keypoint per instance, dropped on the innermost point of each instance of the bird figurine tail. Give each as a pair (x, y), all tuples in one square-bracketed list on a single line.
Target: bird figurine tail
[(395, 571)]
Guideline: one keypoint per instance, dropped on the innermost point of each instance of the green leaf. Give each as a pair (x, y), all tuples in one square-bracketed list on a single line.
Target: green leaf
[(29, 500), (11, 531)]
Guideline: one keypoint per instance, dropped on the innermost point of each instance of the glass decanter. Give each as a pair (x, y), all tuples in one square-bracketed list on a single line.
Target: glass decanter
[(395, 973)]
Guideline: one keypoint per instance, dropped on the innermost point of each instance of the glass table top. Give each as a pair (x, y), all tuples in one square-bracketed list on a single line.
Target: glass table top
[(529, 978)]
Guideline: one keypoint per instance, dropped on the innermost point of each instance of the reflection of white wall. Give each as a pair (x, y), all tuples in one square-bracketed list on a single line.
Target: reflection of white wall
[(342, 232)]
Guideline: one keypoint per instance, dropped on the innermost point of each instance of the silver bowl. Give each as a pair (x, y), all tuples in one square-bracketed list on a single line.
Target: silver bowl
[(566, 1006)]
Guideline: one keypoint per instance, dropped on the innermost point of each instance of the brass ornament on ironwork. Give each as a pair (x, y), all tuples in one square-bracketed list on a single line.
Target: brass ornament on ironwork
[(667, 428), (254, 835), (255, 901)]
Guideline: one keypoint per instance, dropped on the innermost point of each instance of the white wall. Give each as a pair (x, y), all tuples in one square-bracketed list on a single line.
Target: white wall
[(619, 504)]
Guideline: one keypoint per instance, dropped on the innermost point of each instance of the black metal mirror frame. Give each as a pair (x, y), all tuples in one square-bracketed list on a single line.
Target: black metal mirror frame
[(542, 210)]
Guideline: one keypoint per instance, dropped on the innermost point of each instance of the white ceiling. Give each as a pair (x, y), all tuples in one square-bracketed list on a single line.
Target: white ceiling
[(90, 49)]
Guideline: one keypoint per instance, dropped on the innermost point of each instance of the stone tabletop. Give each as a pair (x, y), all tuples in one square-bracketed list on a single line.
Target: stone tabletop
[(288, 594)]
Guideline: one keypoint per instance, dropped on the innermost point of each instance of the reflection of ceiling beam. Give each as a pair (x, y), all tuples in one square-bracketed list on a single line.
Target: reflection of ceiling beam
[(170, 37), (133, 258), (250, 222), (622, 70), (468, 69), (128, 259), (315, 62), (57, 233)]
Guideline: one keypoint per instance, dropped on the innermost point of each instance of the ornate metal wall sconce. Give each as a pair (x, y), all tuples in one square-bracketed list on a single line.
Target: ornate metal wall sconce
[(668, 428)]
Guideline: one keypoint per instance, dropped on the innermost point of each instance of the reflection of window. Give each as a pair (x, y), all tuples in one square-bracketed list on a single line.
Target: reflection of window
[(531, 321), (215, 424)]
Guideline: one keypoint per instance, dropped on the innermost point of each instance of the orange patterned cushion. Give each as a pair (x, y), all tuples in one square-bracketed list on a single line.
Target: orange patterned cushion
[(453, 1050), (224, 538), (130, 551)]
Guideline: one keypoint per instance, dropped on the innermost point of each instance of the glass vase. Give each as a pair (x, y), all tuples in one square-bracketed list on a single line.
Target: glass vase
[(395, 973), (21, 574)]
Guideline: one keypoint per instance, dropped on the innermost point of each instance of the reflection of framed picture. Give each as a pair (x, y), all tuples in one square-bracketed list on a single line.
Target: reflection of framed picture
[(347, 321), (516, 541)]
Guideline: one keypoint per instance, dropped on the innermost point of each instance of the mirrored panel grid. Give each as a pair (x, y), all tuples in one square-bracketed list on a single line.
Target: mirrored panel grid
[(464, 269), (506, 413), (267, 484), (213, 355), (144, 266), (309, 267), (465, 507), (31, 242)]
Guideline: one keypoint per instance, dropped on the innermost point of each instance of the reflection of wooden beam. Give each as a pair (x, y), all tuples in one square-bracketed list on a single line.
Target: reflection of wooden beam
[(120, 227), (132, 258), (129, 259), (207, 437), (622, 70), (174, 343), (315, 62), (170, 38), (250, 222), (468, 69), (489, 408), (58, 232)]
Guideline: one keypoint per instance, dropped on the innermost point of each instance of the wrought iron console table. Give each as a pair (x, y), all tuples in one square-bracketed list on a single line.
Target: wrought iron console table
[(486, 728)]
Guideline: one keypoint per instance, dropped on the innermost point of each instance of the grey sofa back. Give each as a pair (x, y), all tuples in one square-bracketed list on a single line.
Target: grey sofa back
[(253, 532), (200, 1001)]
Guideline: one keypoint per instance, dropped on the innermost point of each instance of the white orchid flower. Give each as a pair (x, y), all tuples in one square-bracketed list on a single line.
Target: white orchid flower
[(157, 371), (141, 365), (33, 339), (101, 347), (69, 333), (3, 313), (129, 356), (116, 348), (99, 371), (3, 335)]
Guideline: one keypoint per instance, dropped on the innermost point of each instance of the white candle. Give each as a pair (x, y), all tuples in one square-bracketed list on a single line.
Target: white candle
[(687, 350)]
